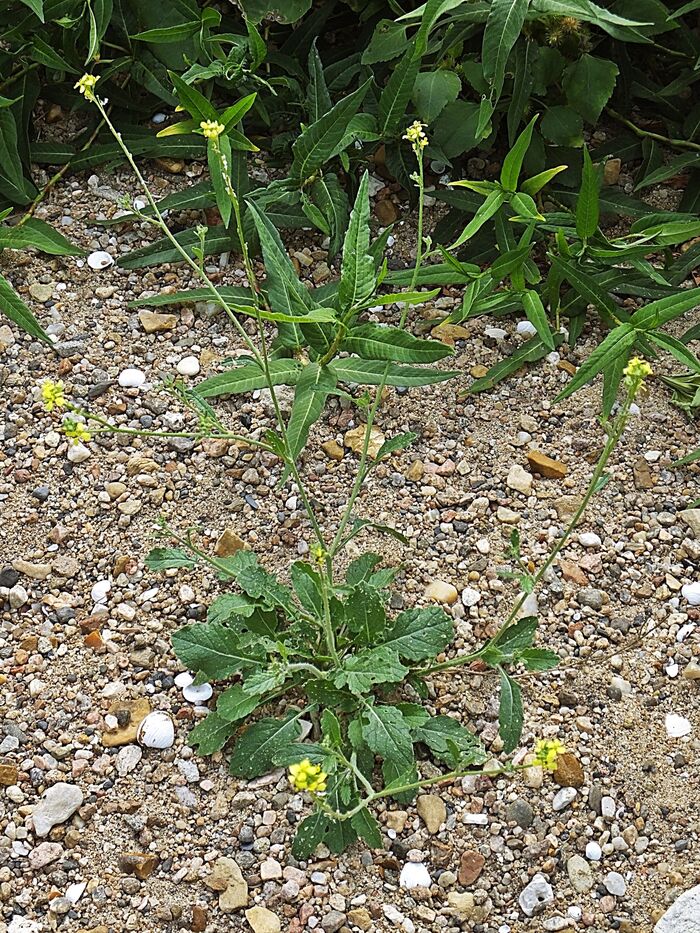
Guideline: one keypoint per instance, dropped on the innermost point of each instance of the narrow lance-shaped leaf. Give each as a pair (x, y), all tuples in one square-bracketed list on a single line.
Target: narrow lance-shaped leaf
[(503, 26), (379, 342), (604, 356), (588, 202), (510, 712), (18, 312), (537, 316), (393, 101), (513, 162), (357, 280), (312, 389)]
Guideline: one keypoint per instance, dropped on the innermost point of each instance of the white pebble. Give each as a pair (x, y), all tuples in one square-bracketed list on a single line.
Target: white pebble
[(188, 366), (563, 798), (496, 333), (99, 260), (184, 679), (470, 597), (156, 731), (199, 694), (414, 875), (677, 726), (78, 453), (593, 852), (525, 327), (131, 378), (589, 539)]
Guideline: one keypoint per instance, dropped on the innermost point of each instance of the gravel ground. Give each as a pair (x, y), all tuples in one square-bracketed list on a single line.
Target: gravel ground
[(129, 838)]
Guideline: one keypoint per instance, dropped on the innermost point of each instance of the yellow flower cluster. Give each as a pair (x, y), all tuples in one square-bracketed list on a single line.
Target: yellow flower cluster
[(52, 394), (86, 86), (211, 129), (637, 369), (547, 752), (318, 553), (416, 137), (76, 430), (305, 776)]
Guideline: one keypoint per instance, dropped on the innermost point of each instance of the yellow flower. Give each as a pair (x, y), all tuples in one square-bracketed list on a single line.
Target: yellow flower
[(416, 137), (318, 553), (547, 751), (305, 776), (76, 430), (211, 129), (52, 394), (637, 369), (86, 86)]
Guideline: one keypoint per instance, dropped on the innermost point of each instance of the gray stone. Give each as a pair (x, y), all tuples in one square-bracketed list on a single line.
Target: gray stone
[(333, 921), (692, 519), (536, 896), (580, 874), (564, 798), (520, 812), (56, 806), (683, 916), (615, 883), (588, 596)]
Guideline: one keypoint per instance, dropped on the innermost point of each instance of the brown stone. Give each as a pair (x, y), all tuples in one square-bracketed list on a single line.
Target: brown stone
[(199, 920), (228, 544), (174, 166), (155, 323), (130, 714), (94, 640), (414, 474), (386, 212), (448, 333), (545, 466), (140, 864), (355, 440), (567, 367), (360, 917), (478, 371), (332, 450), (642, 475), (611, 171), (470, 867), (569, 772), (215, 447), (573, 573), (8, 775)]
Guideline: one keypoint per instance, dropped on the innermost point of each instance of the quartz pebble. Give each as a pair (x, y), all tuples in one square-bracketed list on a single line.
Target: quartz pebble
[(197, 694), (564, 798), (683, 915), (131, 378), (536, 896), (677, 726), (57, 805), (414, 875), (189, 366), (691, 592)]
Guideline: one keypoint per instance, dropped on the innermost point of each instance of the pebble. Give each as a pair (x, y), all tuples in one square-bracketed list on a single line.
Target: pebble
[(131, 378), (414, 875), (519, 479), (188, 366), (590, 539), (440, 592), (262, 920), (470, 597), (615, 883), (580, 874), (471, 866), (564, 798), (128, 758), (156, 323), (520, 812), (684, 914), (78, 453), (432, 810), (593, 852), (537, 896), (44, 854), (57, 805)]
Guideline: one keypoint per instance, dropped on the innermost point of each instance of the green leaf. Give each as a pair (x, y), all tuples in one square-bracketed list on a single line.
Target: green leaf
[(165, 558), (249, 377), (394, 444), (387, 42), (36, 6), (585, 285), (254, 751), (588, 202), (372, 372), (280, 11), (169, 33), (312, 389), (359, 672), (211, 734), (442, 734), (310, 834), (39, 234), (318, 143), (360, 569), (589, 84), (330, 198), (256, 581), (666, 310), (357, 279), (537, 316), (513, 162), (13, 307), (539, 659), (235, 704), (563, 126), (319, 100), (387, 734), (380, 342), (510, 641), (537, 182), (308, 587), (418, 634), (393, 101), (510, 712), (677, 349), (531, 351), (367, 828), (216, 650), (503, 27), (433, 91), (195, 104), (230, 606), (491, 206), (364, 614), (618, 341), (12, 182)]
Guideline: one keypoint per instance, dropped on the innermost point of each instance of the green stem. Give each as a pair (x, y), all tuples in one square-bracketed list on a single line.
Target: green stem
[(648, 134), (614, 434)]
